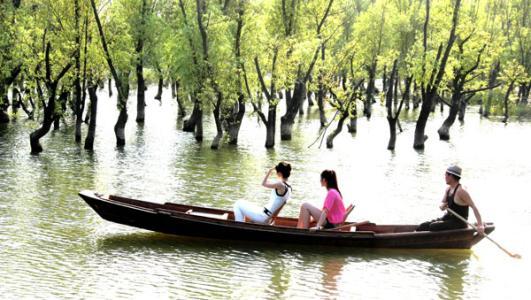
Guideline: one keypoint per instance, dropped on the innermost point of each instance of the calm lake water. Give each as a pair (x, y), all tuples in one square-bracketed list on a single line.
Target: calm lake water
[(52, 245)]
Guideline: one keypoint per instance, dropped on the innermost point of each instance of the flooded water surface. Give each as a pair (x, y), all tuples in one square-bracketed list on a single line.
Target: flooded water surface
[(52, 245)]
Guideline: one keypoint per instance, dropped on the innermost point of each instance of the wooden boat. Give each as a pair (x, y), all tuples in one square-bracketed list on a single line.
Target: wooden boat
[(195, 221)]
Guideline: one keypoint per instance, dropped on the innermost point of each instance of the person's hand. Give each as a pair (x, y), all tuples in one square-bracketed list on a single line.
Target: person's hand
[(313, 229), (481, 229), (443, 206)]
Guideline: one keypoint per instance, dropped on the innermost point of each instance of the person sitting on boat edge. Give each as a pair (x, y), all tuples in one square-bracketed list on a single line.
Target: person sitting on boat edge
[(457, 199), (281, 192), (333, 211)]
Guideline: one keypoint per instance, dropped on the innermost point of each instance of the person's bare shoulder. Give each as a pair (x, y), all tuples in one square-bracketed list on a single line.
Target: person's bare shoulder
[(462, 190), (462, 194)]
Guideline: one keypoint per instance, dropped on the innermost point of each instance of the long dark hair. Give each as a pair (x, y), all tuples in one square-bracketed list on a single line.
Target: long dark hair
[(331, 179)]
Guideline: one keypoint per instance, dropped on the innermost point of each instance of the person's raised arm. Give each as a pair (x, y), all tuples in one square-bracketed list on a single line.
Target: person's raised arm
[(275, 185)]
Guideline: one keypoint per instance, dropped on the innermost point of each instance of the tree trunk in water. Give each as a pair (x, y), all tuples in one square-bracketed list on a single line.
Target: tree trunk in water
[(392, 112), (199, 127), (189, 124), (301, 107), (63, 99), (309, 95), (91, 133), (159, 91), (392, 131), (195, 122), (506, 102), (217, 119), (288, 98), (4, 100), (407, 91), (49, 112), (87, 117), (182, 109), (25, 108), (462, 111), (353, 126), (320, 102), (235, 120), (271, 126), (369, 98), (288, 119), (119, 127), (141, 93), (172, 85), (493, 75), (15, 103), (444, 130), (56, 122), (4, 104), (420, 137), (330, 138)]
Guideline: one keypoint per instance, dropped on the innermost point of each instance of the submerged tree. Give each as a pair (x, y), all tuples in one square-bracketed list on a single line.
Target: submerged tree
[(432, 77), (121, 79)]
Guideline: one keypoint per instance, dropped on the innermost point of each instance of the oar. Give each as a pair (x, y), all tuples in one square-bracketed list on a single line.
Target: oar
[(348, 225), (513, 255)]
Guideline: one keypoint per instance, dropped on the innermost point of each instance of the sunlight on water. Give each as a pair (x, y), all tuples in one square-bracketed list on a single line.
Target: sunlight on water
[(52, 245)]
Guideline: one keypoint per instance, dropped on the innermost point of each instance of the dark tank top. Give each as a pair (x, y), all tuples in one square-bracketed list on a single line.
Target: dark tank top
[(459, 209)]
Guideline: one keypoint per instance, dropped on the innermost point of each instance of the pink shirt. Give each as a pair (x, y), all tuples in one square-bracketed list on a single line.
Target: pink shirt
[(334, 204)]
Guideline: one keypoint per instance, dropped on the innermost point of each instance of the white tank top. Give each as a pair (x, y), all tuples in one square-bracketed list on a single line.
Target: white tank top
[(276, 200)]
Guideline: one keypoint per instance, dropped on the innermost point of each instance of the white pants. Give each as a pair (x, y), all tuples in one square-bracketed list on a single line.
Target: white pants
[(244, 209)]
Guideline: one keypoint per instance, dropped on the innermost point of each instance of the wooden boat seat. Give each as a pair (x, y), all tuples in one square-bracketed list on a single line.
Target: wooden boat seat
[(349, 209), (224, 216)]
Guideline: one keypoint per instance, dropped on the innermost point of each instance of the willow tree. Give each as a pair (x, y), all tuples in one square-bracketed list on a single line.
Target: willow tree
[(57, 53), (433, 69), (189, 67), (94, 71), (371, 33), (465, 64), (304, 53), (119, 63), (235, 110), (78, 99), (266, 61)]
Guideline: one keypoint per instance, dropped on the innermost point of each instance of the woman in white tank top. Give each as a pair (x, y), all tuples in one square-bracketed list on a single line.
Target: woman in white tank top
[(280, 193)]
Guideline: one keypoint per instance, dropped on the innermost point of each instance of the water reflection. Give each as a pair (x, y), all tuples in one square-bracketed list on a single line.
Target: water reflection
[(453, 272), (331, 269), (284, 271)]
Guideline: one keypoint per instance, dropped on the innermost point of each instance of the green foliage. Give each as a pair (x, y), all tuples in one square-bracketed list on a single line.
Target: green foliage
[(355, 34)]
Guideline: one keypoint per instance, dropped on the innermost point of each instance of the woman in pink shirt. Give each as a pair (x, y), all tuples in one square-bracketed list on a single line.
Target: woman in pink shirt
[(333, 211)]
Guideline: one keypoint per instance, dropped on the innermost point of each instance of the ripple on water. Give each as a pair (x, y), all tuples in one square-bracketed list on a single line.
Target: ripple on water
[(56, 245)]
